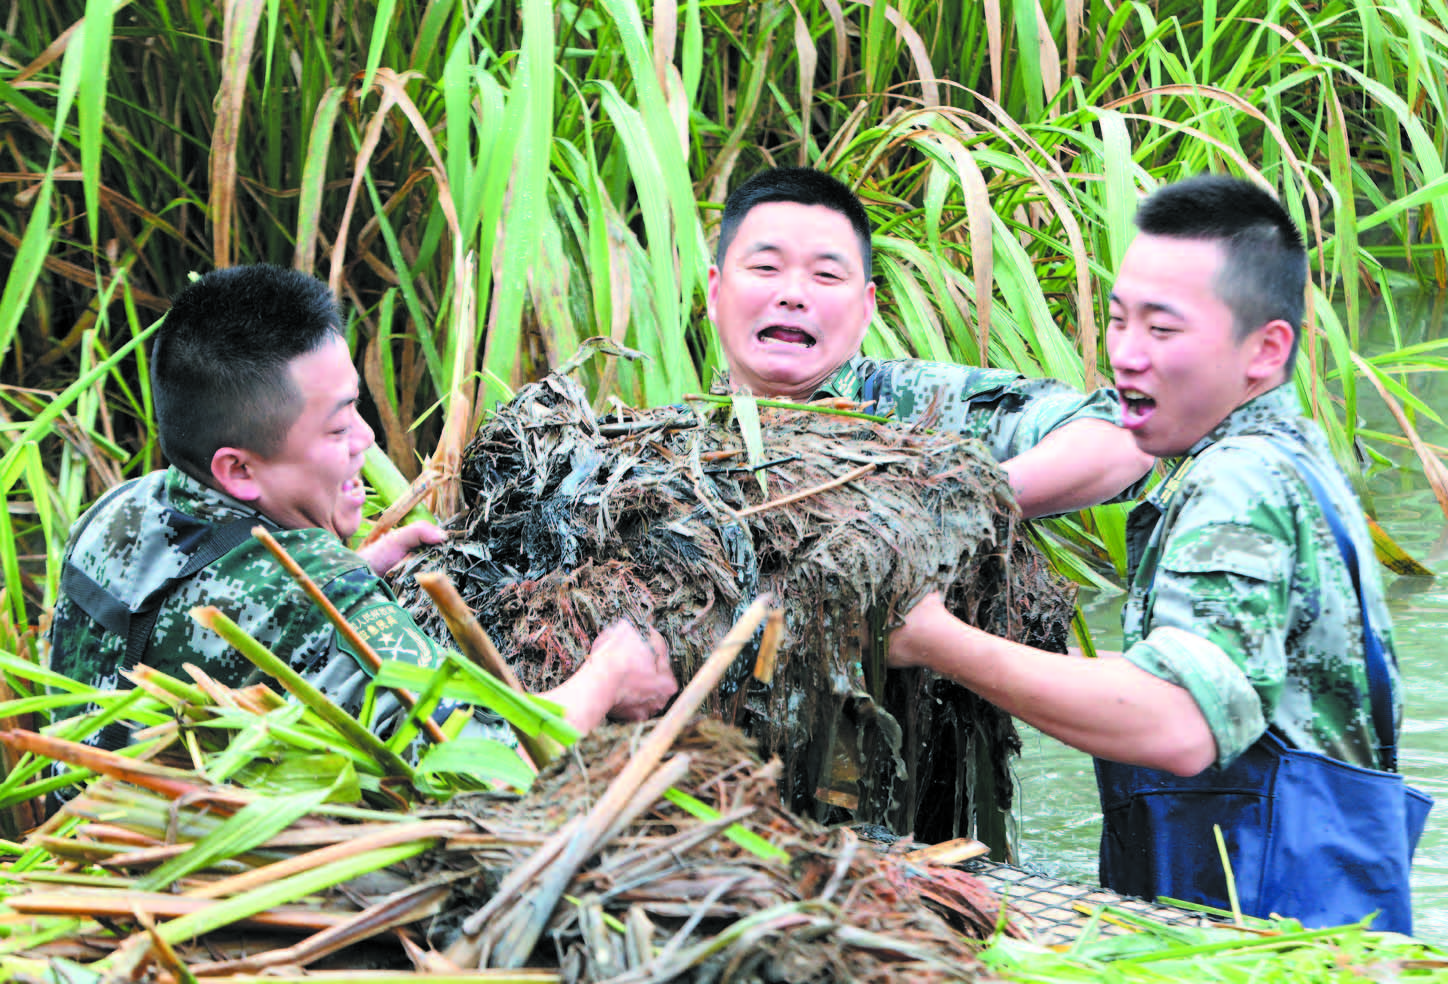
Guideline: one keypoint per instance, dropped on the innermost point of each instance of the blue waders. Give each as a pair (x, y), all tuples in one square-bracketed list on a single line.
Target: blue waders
[(1307, 836)]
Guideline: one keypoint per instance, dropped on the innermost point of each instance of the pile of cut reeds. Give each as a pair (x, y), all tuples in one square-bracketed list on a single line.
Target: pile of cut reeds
[(655, 852), (677, 516), (291, 844)]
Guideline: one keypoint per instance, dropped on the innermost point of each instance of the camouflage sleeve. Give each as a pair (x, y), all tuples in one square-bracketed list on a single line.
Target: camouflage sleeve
[(1009, 412), (382, 623), (1219, 604), (1036, 407)]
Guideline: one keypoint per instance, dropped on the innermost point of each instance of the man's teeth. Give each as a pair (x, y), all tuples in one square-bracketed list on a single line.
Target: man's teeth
[(786, 333)]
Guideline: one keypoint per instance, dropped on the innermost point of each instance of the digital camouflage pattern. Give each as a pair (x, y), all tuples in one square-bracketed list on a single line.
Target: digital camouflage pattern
[(1240, 595), (1009, 412), (140, 538)]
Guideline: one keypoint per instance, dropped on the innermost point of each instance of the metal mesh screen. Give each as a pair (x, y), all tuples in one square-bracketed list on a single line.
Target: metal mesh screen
[(1056, 912)]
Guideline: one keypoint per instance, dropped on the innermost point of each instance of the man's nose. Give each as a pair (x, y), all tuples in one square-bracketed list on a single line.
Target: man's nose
[(1124, 349), (362, 436), (792, 292)]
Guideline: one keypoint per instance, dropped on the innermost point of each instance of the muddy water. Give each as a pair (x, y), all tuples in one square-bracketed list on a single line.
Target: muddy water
[(1058, 812)]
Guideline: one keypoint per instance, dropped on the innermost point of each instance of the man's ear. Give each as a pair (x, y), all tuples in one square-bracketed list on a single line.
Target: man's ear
[(234, 472), (869, 314), (1274, 345), (712, 296)]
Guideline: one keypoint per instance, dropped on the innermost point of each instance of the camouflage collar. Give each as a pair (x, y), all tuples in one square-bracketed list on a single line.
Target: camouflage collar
[(1278, 404), (846, 382), (203, 502)]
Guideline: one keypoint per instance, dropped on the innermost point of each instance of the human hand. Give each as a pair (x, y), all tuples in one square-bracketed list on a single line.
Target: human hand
[(387, 551), (907, 645), (638, 671)]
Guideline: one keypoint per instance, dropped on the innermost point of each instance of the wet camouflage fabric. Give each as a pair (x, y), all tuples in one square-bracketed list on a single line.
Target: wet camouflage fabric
[(1240, 595), (1009, 412), (131, 548)]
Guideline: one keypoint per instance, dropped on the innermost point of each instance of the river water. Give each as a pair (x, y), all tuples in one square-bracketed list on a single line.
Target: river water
[(1058, 812)]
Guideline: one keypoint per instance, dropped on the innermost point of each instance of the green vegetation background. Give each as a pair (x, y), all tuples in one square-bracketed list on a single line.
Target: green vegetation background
[(486, 184)]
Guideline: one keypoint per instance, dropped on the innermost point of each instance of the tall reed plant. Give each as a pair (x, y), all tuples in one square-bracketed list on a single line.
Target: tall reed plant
[(485, 184)]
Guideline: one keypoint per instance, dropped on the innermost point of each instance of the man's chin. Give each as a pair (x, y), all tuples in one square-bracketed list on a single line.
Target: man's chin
[(346, 525), (790, 379)]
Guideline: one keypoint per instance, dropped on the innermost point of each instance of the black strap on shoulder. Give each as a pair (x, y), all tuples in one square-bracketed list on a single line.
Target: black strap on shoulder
[(80, 588), (136, 625), (217, 543), (870, 385), (95, 600)]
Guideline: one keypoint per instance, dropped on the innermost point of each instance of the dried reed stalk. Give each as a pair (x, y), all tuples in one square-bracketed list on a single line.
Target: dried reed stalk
[(473, 640), (343, 627), (517, 931)]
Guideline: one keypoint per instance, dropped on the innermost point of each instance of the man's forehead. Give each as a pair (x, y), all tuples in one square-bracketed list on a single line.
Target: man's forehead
[(1153, 260), (326, 373), (817, 230)]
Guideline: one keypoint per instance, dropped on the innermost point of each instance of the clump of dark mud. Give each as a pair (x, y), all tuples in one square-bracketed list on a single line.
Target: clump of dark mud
[(570, 523)]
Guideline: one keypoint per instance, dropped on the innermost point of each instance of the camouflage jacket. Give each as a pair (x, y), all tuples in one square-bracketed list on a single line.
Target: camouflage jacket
[(1009, 412), (1240, 594), (136, 541)]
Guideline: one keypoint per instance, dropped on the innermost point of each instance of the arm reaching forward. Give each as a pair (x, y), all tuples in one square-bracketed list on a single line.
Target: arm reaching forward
[(390, 548), (1106, 706), (624, 677), (1080, 464)]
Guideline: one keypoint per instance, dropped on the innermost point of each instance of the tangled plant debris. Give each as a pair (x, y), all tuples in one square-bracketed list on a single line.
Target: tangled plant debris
[(646, 853), (245, 835), (679, 516)]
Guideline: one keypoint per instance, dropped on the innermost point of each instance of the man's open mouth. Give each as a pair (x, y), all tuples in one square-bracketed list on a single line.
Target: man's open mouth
[(787, 334), (355, 490), (1137, 401), (1136, 406)]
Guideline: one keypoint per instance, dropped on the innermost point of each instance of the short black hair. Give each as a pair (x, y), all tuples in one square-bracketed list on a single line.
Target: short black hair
[(803, 185), (220, 364), (1264, 273)]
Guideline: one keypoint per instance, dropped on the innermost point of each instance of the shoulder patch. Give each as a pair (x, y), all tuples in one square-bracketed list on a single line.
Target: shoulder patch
[(393, 635)]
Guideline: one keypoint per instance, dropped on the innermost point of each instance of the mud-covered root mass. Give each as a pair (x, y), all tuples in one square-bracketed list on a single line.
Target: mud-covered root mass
[(657, 516)]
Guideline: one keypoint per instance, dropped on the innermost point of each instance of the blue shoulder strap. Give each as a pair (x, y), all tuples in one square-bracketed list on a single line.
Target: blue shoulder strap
[(1379, 687)]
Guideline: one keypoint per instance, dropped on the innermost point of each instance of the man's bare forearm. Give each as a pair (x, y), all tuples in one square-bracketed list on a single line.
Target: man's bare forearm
[(1107, 707), (1081, 464)]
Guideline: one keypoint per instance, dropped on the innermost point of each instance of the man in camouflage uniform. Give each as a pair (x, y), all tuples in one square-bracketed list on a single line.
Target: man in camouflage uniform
[(1243, 632), (791, 297), (256, 407)]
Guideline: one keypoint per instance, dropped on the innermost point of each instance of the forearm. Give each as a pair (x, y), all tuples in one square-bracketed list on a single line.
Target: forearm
[(585, 697), (1105, 706), (1081, 464), (624, 677)]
